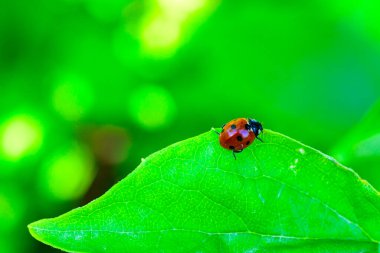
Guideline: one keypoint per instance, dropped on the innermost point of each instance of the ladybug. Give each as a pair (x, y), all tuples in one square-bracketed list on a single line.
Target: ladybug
[(239, 133)]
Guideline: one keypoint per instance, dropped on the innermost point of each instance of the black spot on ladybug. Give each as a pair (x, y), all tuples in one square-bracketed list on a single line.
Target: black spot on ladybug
[(246, 127), (233, 126), (247, 143), (239, 138), (232, 147)]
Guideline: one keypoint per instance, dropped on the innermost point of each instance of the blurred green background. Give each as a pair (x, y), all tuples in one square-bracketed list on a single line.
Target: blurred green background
[(89, 87)]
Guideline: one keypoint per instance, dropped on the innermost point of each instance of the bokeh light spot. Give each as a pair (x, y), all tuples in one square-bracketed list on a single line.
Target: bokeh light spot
[(72, 99), (161, 35), (20, 136), (152, 107), (168, 22), (68, 174)]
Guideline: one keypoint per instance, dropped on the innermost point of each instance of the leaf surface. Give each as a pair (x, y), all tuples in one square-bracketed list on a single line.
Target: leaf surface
[(278, 196)]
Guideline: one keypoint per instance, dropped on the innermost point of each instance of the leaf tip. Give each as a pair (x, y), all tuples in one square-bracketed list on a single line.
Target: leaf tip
[(39, 231), (34, 229), (46, 231)]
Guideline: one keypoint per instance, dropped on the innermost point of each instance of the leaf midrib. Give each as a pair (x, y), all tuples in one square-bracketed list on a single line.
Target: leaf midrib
[(205, 233)]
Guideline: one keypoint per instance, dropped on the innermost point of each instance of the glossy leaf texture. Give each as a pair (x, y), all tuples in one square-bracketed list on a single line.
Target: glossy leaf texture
[(193, 196)]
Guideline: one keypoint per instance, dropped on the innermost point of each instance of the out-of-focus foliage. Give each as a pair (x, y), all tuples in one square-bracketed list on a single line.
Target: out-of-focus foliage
[(360, 148), (97, 85)]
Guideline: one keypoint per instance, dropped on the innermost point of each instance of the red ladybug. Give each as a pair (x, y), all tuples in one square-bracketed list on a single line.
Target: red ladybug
[(239, 133)]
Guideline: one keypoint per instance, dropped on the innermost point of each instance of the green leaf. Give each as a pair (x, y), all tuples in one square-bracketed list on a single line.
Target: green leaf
[(277, 196)]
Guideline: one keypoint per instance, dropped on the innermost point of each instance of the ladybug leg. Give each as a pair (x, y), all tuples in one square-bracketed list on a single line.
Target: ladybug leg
[(235, 151), (259, 139)]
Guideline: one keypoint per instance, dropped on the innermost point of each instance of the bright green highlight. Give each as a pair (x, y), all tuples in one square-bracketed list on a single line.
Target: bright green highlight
[(193, 196), (67, 174), (21, 135), (151, 107), (72, 98), (167, 22)]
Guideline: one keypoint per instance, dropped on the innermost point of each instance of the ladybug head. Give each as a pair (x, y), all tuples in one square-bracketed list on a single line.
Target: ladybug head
[(256, 126)]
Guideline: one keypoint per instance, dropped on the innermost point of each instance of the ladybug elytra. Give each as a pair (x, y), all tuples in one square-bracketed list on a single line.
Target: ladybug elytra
[(239, 133)]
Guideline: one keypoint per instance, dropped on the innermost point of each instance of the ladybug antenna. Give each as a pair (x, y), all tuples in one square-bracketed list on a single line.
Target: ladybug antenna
[(213, 129)]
